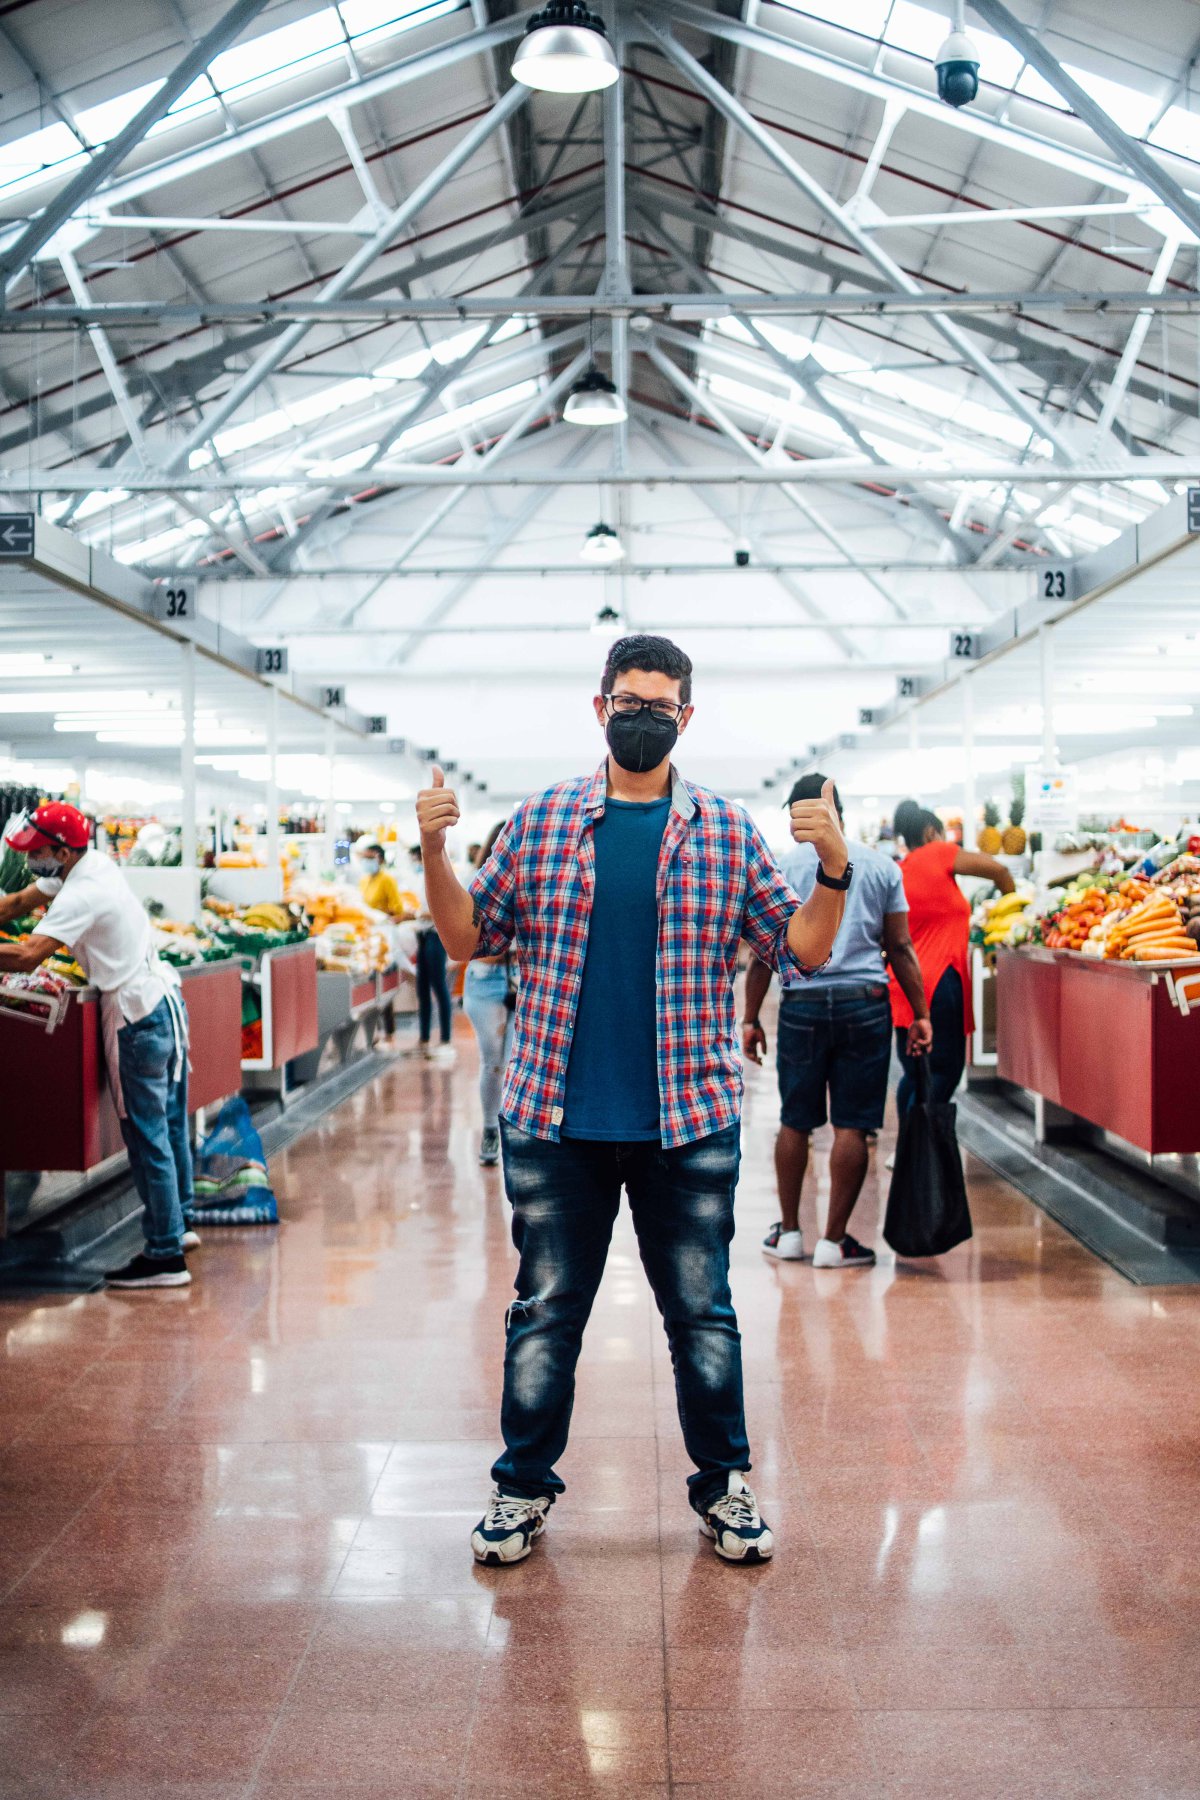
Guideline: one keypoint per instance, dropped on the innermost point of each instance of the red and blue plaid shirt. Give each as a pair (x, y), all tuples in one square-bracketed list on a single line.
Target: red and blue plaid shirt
[(717, 883)]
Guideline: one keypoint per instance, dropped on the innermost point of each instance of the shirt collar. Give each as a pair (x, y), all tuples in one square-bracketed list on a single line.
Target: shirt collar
[(682, 800)]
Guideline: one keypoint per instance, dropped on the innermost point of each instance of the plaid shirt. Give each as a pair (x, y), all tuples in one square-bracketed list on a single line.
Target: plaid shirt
[(717, 883)]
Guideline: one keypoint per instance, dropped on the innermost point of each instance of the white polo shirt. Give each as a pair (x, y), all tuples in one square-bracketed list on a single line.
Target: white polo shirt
[(97, 916)]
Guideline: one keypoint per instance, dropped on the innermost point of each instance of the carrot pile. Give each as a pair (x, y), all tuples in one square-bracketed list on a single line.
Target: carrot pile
[(1152, 932)]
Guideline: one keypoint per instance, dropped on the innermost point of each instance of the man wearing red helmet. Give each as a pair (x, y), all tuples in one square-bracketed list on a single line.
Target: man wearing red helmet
[(94, 913)]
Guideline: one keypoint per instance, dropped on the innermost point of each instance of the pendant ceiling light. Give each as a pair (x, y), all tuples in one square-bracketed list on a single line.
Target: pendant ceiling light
[(565, 50), (602, 545), (594, 401), (608, 623)]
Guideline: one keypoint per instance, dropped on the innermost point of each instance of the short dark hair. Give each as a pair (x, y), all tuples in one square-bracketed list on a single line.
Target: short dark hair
[(809, 788), (654, 656)]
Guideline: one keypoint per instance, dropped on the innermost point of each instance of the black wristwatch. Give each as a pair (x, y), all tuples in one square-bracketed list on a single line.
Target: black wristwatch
[(840, 882)]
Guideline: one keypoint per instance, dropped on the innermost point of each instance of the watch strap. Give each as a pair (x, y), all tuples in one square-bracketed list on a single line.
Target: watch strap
[(838, 882)]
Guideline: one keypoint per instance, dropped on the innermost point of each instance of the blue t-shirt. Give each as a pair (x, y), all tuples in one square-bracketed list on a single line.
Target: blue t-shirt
[(875, 890), (612, 1074)]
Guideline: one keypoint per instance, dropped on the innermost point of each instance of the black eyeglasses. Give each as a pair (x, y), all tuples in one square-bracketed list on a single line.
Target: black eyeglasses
[(627, 706)]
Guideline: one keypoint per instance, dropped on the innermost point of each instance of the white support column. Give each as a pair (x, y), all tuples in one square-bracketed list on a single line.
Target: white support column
[(273, 781), (330, 802), (1046, 664), (187, 756), (968, 725)]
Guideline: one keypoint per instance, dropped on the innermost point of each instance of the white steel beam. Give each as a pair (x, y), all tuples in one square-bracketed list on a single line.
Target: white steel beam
[(707, 404), (516, 523), (973, 121), (1129, 153), (420, 67), (738, 115), (390, 228), (42, 227), (544, 398), (818, 471)]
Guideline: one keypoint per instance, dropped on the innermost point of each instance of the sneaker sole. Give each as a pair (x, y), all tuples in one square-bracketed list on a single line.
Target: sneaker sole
[(750, 1555), (153, 1281), (492, 1559), (780, 1255), (848, 1262)]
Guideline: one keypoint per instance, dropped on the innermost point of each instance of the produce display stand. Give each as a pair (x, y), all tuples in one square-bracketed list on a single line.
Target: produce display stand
[(286, 980), (347, 1006), (66, 1120), (1115, 1044)]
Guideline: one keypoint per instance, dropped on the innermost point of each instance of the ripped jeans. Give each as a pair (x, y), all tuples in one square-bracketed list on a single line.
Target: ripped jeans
[(565, 1199)]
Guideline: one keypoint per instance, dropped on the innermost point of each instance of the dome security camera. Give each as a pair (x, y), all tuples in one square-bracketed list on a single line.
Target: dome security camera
[(957, 65), (741, 554)]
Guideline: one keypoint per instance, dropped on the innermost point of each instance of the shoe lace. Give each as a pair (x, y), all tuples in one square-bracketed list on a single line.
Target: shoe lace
[(737, 1510), (509, 1511)]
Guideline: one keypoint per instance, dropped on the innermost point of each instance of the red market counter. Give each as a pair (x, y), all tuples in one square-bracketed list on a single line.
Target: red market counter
[(59, 1114), (1113, 1043)]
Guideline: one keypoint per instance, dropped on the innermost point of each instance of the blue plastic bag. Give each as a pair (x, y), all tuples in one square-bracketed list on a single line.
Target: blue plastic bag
[(231, 1182)]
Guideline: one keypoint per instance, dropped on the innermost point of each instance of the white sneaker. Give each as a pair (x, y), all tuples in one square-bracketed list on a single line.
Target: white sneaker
[(736, 1527), (445, 1053), (788, 1246), (889, 1162), (849, 1254), (509, 1528), (190, 1239)]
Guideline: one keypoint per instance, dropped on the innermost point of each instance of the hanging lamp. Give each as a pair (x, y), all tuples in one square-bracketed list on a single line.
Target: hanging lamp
[(594, 401), (602, 545), (565, 50)]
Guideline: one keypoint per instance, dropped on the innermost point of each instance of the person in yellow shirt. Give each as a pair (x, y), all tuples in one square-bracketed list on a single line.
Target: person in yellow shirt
[(377, 884)]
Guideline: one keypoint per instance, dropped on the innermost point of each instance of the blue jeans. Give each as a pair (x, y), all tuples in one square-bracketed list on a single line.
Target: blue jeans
[(484, 991), (432, 984), (155, 1128), (948, 1058), (835, 1042), (565, 1199)]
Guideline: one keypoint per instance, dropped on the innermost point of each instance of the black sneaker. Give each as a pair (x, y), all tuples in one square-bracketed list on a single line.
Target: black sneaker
[(150, 1272), (735, 1525), (509, 1528), (489, 1148)]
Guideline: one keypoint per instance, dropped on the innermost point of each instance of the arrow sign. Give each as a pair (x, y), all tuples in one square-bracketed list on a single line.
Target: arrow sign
[(16, 534)]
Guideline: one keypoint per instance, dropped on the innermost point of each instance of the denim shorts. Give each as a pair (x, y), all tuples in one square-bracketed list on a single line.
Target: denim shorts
[(835, 1042)]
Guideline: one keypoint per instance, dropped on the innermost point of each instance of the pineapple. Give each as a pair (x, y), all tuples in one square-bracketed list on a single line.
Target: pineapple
[(1014, 836), (989, 839)]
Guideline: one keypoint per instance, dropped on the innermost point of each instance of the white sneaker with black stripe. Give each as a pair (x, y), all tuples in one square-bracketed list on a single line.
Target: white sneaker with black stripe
[(848, 1253), (509, 1528), (737, 1529)]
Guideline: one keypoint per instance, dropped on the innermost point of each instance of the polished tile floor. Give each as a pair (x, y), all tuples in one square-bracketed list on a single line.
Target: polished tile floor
[(233, 1520)]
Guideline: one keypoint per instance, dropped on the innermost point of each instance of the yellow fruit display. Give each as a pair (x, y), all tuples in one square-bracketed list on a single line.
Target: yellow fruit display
[(989, 839)]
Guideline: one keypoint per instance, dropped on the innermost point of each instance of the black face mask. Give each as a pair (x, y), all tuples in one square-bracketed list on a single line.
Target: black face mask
[(640, 742)]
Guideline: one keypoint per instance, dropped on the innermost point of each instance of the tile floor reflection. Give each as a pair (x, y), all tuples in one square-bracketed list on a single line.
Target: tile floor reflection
[(233, 1521)]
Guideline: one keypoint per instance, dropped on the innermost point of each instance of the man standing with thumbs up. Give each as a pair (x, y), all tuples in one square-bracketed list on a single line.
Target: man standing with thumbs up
[(624, 896)]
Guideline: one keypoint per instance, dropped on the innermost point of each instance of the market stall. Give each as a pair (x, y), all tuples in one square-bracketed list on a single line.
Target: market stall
[(65, 1119)]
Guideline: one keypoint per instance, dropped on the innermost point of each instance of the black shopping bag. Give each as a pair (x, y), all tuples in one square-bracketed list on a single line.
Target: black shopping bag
[(927, 1211)]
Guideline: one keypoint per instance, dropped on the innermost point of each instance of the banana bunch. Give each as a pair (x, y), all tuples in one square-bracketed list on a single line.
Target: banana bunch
[(1002, 918), (267, 915)]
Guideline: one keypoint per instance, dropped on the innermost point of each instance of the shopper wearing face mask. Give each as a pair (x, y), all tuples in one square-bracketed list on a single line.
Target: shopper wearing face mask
[(624, 896), (94, 914)]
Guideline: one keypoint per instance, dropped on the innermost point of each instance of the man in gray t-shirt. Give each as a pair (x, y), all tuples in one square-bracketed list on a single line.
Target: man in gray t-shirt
[(835, 1043)]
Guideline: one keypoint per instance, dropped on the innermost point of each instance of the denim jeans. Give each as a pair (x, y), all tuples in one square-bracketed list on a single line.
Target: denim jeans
[(432, 984), (565, 1199), (835, 1042), (948, 1058), (484, 991), (155, 1128)]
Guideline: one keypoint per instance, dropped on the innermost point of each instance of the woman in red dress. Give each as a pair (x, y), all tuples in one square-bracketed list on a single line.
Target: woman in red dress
[(939, 918)]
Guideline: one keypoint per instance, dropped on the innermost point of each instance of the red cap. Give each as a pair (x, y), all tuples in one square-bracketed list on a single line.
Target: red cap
[(53, 825)]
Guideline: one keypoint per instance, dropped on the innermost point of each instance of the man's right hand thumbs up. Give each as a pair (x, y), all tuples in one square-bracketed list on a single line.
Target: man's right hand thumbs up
[(437, 813)]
